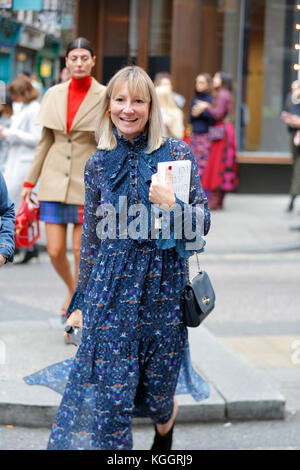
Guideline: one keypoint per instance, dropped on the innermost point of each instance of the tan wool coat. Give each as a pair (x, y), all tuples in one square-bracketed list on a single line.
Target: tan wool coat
[(60, 158)]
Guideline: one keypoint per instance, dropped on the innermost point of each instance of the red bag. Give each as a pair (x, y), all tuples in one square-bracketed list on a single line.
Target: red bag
[(186, 136), (27, 226)]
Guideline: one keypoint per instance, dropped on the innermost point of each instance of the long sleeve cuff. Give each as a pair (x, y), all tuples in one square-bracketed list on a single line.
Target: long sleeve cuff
[(186, 239), (7, 251), (76, 302)]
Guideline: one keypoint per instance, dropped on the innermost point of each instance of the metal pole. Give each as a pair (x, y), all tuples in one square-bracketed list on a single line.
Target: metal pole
[(240, 73)]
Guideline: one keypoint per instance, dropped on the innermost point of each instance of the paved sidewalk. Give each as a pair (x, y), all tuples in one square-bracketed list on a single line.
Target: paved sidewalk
[(30, 335), (254, 224)]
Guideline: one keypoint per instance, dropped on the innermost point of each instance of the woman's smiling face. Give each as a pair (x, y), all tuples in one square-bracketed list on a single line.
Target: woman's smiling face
[(129, 113)]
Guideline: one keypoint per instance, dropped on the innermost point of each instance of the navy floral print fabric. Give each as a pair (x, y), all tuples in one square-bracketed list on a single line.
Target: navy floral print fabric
[(134, 354)]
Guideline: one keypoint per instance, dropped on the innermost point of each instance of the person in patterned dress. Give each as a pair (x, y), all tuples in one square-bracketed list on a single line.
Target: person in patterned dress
[(134, 353), (221, 172)]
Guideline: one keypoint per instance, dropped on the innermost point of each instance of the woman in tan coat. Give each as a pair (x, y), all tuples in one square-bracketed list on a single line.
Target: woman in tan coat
[(67, 114)]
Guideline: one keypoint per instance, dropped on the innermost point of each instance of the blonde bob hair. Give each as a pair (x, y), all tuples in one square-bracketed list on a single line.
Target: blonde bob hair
[(139, 83), (166, 98)]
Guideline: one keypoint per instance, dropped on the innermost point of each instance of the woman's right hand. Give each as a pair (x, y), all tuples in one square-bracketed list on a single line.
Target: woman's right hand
[(26, 193), (74, 320)]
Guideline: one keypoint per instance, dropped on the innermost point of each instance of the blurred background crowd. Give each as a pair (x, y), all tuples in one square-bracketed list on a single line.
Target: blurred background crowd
[(255, 41)]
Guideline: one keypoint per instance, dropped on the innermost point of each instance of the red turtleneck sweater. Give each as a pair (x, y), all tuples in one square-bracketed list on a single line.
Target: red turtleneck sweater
[(77, 92)]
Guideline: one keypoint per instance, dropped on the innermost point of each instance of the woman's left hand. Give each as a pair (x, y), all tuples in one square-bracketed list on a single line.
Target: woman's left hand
[(162, 194), (74, 320)]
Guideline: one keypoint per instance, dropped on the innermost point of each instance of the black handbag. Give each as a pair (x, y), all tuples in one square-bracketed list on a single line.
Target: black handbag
[(198, 297)]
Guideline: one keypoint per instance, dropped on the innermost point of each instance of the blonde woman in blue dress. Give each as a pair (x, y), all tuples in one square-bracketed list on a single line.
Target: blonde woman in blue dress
[(134, 355)]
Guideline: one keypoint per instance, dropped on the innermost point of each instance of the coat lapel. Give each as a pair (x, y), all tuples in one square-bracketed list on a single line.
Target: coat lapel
[(61, 104), (53, 111)]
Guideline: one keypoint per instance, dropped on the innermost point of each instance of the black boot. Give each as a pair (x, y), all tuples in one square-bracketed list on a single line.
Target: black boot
[(30, 253), (162, 443), (291, 204)]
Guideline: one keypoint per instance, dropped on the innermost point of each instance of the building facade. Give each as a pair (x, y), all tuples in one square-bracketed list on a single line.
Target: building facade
[(33, 35), (254, 40)]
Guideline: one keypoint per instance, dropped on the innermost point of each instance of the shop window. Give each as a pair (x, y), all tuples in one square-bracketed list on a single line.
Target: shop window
[(116, 52), (254, 41), (267, 72), (160, 36), (121, 35), (4, 67)]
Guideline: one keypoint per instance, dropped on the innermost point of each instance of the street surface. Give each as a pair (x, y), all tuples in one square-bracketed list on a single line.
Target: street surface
[(266, 435)]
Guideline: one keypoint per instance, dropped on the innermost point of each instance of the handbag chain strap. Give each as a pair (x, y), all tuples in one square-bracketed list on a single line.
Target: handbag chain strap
[(187, 263)]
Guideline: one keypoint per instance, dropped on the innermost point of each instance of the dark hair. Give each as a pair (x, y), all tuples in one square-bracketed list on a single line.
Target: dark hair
[(226, 79), (25, 72), (208, 78), (80, 43), (22, 86)]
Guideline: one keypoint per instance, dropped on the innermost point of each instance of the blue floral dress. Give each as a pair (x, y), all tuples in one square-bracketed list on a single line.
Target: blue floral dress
[(134, 353)]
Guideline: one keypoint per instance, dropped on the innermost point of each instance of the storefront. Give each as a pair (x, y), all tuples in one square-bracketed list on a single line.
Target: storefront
[(254, 40), (30, 42), (47, 60), (9, 35)]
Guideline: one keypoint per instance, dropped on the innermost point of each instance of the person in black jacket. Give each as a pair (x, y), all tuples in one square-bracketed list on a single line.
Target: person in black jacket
[(291, 117), (201, 121)]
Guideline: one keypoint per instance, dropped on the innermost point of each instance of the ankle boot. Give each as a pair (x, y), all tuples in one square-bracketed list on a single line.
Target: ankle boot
[(162, 443), (291, 204), (30, 253), (213, 200), (221, 199)]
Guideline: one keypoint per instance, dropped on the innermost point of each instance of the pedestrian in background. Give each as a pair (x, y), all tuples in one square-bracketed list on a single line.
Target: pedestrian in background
[(21, 136), (67, 114), (201, 121), (7, 225), (37, 84), (129, 293), (164, 78), (220, 175), (291, 117), (172, 115), (6, 111), (64, 75)]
